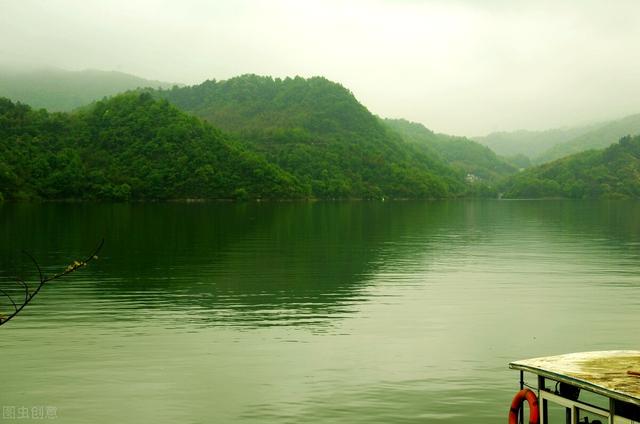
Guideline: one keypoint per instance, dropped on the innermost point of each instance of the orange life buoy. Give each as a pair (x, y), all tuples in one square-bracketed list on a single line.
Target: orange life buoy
[(516, 404)]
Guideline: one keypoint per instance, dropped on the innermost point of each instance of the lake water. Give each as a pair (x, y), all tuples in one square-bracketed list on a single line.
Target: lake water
[(347, 312)]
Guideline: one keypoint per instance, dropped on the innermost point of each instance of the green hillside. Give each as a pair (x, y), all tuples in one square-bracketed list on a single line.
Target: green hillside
[(600, 137), (316, 130), (467, 155), (546, 146), (530, 143), (128, 147), (611, 173), (61, 90)]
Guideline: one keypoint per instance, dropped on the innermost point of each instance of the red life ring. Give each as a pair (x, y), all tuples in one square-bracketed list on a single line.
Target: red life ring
[(516, 404)]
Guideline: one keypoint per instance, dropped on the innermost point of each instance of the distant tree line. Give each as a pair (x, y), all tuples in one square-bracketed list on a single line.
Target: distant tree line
[(255, 137), (280, 139)]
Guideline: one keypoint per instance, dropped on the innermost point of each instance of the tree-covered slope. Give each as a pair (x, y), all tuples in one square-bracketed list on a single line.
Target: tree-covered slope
[(316, 130), (130, 146), (597, 138), (471, 157), (612, 173), (61, 90)]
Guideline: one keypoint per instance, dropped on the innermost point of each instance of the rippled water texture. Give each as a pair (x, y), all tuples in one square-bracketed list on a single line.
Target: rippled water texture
[(350, 312)]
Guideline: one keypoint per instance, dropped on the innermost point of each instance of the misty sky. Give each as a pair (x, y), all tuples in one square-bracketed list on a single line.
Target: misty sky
[(459, 66)]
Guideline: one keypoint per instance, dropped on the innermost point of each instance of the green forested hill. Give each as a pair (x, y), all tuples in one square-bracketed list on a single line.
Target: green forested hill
[(250, 102), (613, 173), (61, 90), (530, 143), (546, 146), (602, 136), (130, 146), (316, 130), (469, 156)]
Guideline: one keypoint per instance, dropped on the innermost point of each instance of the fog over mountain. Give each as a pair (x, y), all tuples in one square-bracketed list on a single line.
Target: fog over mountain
[(463, 67)]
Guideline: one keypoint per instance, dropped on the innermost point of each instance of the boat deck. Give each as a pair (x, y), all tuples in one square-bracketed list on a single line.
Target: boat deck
[(614, 374)]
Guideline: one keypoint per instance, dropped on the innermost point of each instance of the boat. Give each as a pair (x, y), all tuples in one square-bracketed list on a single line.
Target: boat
[(578, 388)]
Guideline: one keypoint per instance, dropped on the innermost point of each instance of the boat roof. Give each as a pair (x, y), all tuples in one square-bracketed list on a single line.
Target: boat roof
[(614, 374)]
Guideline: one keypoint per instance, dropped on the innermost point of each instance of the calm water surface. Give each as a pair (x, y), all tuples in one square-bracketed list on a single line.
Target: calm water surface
[(350, 312)]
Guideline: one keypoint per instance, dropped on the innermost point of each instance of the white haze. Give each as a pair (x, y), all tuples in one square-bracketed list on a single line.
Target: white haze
[(464, 67)]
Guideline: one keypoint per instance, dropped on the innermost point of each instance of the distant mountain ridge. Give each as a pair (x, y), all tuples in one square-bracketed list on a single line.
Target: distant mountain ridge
[(531, 143), (272, 138), (602, 136), (613, 172), (285, 139), (60, 90), (546, 146)]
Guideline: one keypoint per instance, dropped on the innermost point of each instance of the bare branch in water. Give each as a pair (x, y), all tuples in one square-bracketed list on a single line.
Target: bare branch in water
[(30, 294)]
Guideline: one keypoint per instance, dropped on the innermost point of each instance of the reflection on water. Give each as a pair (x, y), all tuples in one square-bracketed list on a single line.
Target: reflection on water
[(311, 312)]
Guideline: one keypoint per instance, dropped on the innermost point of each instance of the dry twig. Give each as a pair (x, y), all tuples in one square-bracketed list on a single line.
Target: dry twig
[(28, 295)]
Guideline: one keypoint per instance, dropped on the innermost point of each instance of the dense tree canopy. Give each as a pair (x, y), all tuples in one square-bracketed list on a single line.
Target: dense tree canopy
[(316, 130), (273, 138), (130, 146), (279, 139), (467, 155), (613, 173)]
